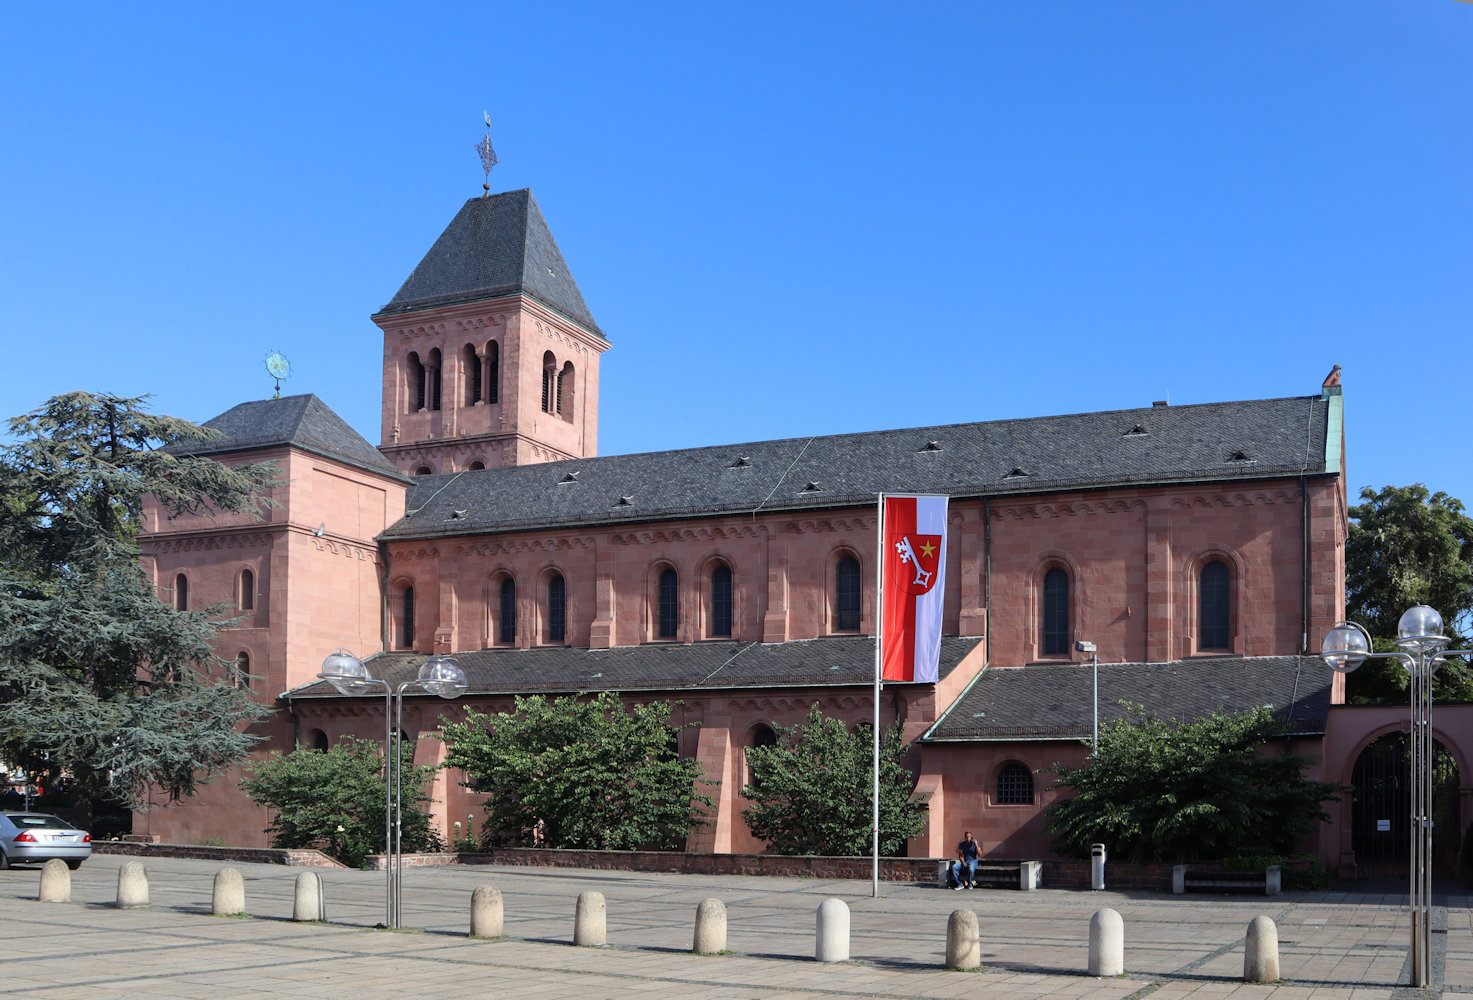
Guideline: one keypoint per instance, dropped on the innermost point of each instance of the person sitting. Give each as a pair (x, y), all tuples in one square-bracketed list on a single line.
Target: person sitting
[(964, 869)]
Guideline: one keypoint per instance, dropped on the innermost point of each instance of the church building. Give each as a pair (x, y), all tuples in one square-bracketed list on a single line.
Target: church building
[(1199, 548)]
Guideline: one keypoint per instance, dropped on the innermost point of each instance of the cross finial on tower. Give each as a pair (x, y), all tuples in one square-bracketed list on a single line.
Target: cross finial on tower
[(488, 155)]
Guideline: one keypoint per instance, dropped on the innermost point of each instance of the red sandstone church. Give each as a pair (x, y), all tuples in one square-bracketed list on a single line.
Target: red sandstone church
[(1200, 547)]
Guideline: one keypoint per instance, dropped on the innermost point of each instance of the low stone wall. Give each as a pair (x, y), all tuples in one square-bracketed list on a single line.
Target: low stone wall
[(1056, 874), (891, 869), (300, 858)]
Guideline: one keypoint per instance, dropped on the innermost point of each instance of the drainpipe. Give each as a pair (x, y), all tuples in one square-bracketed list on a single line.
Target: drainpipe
[(1304, 566), (987, 573)]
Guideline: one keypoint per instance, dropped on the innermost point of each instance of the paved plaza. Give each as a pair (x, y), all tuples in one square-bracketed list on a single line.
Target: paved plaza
[(1341, 945)]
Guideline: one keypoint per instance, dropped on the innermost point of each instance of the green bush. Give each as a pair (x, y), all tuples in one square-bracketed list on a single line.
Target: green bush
[(812, 791), (579, 773), (333, 800), (1174, 792)]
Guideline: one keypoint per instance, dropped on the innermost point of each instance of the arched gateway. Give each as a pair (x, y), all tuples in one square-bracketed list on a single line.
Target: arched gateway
[(1381, 809)]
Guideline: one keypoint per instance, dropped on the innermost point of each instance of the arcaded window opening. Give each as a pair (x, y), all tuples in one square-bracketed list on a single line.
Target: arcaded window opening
[(471, 364), (493, 372), (432, 378), (247, 590), (181, 593), (416, 383)]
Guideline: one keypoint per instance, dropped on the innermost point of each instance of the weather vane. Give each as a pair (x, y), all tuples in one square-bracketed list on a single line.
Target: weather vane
[(278, 367), (488, 155)]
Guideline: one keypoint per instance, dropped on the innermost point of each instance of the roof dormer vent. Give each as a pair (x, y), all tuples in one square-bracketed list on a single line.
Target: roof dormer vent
[(932, 445), (1139, 430), (1017, 473), (741, 462), (625, 502), (813, 488), (1241, 456), (571, 477)]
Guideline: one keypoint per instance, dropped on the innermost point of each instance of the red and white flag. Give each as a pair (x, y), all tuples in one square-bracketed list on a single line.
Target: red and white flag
[(914, 575)]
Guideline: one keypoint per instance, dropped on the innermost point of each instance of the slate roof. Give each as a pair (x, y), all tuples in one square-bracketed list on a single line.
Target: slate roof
[(1210, 442), (495, 246), (1057, 702), (304, 422), (703, 666)]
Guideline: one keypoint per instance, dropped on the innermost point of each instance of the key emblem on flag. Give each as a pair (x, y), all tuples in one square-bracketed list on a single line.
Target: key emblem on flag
[(921, 553)]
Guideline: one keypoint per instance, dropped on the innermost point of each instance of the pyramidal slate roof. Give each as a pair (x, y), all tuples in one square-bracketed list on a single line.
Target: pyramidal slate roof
[(827, 662), (496, 245), (1057, 702), (304, 422), (1210, 442)]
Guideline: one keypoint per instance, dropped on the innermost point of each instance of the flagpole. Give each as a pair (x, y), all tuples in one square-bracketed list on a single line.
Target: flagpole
[(879, 645)]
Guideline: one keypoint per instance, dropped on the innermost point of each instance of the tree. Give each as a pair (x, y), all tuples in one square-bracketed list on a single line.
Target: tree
[(1408, 546), (584, 774), (99, 679), (1211, 788), (334, 800), (813, 790)]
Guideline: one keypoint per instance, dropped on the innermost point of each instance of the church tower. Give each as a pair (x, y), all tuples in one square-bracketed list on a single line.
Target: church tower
[(490, 353)]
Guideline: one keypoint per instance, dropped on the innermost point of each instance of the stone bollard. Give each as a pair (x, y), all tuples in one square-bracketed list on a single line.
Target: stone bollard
[(1261, 953), (1106, 943), (832, 941), (487, 917), (590, 920), (132, 885), (56, 882), (308, 903), (963, 943), (229, 895), (710, 936)]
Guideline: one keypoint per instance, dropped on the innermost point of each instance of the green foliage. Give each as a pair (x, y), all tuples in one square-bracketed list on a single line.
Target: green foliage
[(98, 678), (812, 790), (1408, 546), (583, 774), (1158, 791), (333, 800)]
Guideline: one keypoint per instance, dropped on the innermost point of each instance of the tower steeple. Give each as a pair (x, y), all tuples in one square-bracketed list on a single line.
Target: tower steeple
[(490, 353)]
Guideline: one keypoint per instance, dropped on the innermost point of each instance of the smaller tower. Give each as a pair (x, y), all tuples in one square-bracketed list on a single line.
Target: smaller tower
[(490, 353)]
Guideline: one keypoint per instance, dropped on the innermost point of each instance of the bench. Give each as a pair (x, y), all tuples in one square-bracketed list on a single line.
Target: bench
[(1185, 879), (1024, 875)]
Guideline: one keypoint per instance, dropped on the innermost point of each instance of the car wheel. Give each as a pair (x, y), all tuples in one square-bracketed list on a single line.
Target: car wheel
[(4, 859), (73, 863)]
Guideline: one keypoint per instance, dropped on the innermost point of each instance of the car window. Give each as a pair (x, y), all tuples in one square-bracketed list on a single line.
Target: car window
[(40, 822)]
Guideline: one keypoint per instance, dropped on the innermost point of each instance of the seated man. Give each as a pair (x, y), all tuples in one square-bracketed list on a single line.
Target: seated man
[(964, 869)]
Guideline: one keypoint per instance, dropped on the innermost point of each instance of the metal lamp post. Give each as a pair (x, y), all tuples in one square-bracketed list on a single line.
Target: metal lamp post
[(439, 675), (1094, 659), (1423, 650)]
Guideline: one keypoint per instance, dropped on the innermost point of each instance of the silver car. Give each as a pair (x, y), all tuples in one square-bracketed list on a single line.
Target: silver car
[(27, 838)]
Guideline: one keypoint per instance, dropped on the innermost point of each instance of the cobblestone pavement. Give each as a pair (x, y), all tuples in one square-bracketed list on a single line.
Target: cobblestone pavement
[(1340, 945)]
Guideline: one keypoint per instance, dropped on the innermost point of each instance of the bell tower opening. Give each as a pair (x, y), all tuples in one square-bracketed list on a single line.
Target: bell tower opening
[(491, 355)]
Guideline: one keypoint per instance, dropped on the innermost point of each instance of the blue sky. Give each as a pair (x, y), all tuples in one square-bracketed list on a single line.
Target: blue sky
[(790, 219)]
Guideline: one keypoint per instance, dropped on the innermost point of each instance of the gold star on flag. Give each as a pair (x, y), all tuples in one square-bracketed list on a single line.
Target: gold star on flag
[(927, 548)]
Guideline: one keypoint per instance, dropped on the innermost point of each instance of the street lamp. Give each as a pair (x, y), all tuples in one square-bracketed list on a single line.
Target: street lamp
[(1094, 659), (1422, 644), (439, 675)]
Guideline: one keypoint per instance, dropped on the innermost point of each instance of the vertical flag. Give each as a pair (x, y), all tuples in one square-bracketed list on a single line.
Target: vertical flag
[(914, 587)]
